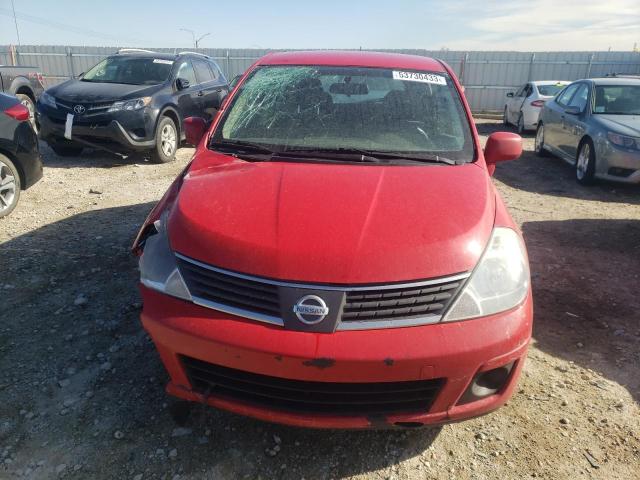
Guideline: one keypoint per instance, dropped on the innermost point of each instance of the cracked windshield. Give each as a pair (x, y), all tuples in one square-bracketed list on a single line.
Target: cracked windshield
[(343, 109)]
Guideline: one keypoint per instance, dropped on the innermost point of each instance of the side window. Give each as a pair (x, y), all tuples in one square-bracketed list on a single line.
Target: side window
[(185, 70), (580, 98), (528, 90), (214, 70), (203, 72), (565, 96)]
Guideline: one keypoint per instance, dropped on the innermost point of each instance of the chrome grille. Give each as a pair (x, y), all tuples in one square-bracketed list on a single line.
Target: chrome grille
[(364, 306)]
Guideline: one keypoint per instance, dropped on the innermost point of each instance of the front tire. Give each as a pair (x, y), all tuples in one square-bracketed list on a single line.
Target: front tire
[(539, 142), (586, 163), (9, 186), (28, 102), (166, 141)]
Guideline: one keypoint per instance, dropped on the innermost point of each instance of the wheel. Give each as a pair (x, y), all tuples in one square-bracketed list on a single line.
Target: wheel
[(520, 124), (166, 141), (539, 142), (9, 186), (28, 102), (66, 150), (505, 119), (586, 163)]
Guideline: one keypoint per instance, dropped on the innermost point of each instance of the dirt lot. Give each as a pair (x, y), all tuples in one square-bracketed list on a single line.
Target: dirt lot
[(81, 387)]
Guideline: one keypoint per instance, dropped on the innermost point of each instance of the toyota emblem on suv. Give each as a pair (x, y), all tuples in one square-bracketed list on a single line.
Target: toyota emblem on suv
[(311, 309), (79, 109)]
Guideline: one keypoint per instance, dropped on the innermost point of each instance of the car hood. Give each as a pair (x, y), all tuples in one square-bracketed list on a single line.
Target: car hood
[(623, 124), (94, 92), (340, 224)]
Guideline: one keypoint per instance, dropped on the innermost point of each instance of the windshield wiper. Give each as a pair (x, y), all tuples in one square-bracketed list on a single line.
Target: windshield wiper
[(233, 146), (376, 156)]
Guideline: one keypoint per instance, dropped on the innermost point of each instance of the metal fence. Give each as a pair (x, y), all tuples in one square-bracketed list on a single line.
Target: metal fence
[(487, 76)]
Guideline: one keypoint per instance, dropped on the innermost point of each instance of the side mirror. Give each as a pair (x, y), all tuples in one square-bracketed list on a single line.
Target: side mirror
[(573, 110), (182, 83), (501, 147), (510, 94), (194, 130)]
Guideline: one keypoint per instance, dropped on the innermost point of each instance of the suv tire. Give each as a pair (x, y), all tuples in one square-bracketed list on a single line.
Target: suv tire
[(9, 186), (28, 102), (166, 141)]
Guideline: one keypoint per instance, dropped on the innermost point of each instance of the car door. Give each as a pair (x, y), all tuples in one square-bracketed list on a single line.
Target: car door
[(574, 125), (211, 89), (554, 111), (186, 98)]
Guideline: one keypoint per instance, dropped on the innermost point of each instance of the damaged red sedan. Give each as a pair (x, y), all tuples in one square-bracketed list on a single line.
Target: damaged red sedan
[(336, 255)]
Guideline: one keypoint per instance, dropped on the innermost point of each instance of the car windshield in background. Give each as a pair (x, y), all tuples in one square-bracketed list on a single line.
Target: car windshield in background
[(617, 99), (550, 90), (130, 70), (349, 109)]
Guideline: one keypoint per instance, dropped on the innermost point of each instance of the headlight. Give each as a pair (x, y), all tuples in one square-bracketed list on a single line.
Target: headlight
[(623, 140), (158, 267), (48, 100), (135, 104), (499, 282)]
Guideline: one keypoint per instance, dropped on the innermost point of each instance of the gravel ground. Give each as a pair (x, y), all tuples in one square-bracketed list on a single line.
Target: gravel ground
[(81, 386)]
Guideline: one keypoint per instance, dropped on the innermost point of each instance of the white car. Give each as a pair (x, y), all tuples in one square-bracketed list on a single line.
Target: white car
[(523, 107)]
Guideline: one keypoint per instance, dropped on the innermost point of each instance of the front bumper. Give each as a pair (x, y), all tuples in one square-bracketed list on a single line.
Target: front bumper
[(130, 131), (454, 352), (617, 164)]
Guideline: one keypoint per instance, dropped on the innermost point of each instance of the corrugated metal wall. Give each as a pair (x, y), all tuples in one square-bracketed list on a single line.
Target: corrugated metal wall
[(487, 76)]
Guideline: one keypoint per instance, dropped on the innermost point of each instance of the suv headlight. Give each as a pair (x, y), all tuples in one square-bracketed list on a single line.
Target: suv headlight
[(135, 104), (499, 282), (158, 266), (48, 100)]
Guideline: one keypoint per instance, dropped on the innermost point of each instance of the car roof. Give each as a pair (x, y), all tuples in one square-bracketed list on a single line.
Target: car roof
[(160, 56), (616, 81), (550, 82), (353, 59)]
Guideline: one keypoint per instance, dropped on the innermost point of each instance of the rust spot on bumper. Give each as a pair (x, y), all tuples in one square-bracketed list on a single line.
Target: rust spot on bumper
[(388, 362)]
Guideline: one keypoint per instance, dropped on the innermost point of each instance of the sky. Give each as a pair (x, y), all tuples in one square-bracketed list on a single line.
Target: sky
[(524, 25)]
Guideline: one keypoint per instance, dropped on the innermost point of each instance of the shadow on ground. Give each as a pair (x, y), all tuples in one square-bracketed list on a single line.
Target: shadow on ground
[(90, 158), (87, 370), (585, 276)]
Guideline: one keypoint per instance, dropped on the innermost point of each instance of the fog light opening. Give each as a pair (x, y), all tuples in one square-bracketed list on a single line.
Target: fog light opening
[(487, 383)]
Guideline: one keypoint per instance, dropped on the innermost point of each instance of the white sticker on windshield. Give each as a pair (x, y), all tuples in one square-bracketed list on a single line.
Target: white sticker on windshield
[(419, 77), (164, 62), (599, 109)]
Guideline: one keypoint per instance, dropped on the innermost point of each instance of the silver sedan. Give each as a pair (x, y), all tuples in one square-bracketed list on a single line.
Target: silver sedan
[(594, 125)]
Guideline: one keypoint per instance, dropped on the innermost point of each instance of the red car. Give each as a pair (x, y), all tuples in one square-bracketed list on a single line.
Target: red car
[(336, 255)]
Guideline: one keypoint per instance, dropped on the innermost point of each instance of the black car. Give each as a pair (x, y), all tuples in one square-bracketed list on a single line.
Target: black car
[(132, 101), (20, 165)]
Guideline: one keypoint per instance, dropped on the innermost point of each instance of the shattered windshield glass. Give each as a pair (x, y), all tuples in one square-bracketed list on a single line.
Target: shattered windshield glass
[(326, 108)]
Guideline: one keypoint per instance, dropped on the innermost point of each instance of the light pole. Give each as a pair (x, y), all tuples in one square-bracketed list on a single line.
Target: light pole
[(193, 36), (198, 40), (15, 20)]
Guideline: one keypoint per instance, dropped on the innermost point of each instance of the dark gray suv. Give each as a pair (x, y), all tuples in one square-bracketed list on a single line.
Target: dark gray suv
[(135, 100)]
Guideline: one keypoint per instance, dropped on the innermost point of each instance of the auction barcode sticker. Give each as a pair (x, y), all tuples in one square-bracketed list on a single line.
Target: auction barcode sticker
[(164, 62), (419, 77)]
